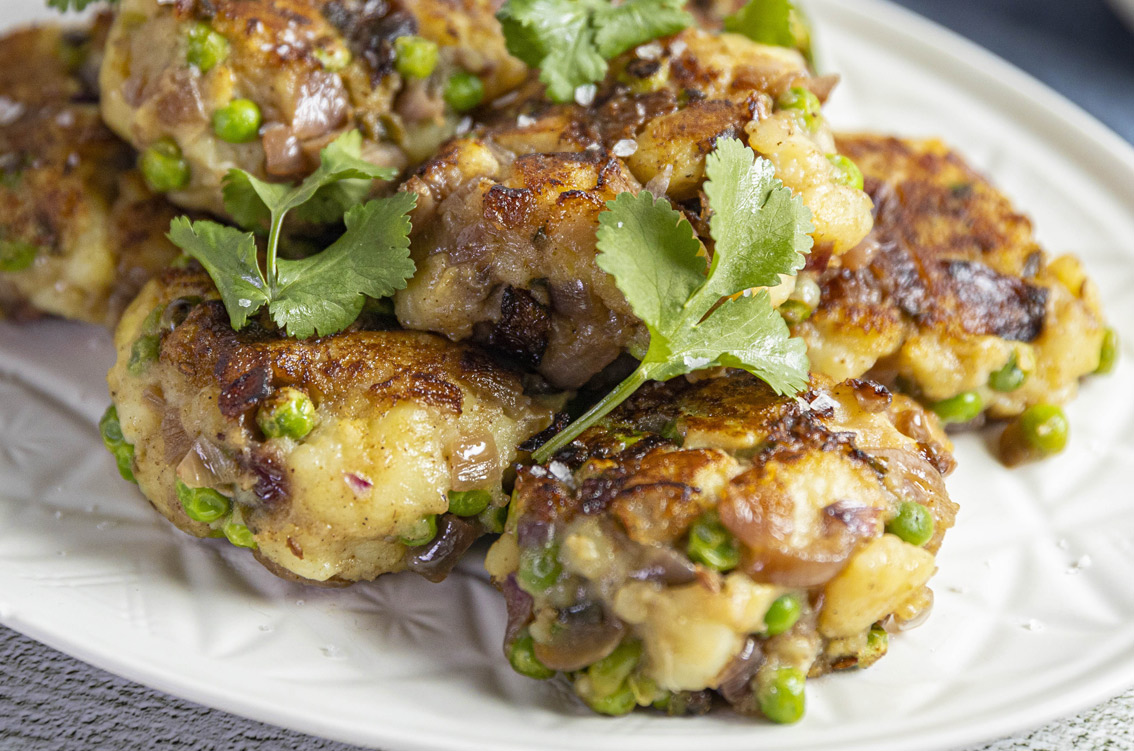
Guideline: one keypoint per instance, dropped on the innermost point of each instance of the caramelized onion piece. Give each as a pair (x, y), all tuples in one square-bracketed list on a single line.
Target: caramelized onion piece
[(582, 636), (763, 519), (436, 559), (206, 465), (473, 461), (735, 681)]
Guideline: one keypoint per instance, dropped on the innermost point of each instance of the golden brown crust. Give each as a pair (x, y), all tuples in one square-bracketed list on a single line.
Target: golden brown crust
[(68, 186), (802, 489), (949, 287), (953, 254), (314, 68), (505, 246), (399, 420)]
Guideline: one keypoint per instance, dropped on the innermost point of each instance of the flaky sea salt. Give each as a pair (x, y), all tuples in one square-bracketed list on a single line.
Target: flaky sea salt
[(585, 94), (651, 51), (625, 147), (822, 403)]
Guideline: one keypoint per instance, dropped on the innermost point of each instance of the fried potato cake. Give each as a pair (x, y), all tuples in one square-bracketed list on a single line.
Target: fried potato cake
[(951, 295), (504, 231), (710, 536), (300, 73), (79, 230), (336, 459)]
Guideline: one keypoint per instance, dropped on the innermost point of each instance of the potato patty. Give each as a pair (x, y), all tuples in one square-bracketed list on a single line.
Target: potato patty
[(299, 72), (338, 458), (951, 289), (711, 536), (79, 230), (504, 231)]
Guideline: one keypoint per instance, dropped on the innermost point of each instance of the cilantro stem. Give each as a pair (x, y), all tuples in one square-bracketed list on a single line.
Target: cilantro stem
[(620, 394), (273, 247)]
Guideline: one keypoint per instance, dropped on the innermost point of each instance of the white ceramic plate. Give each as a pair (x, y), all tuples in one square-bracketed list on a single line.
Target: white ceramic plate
[(1124, 8), (1034, 616)]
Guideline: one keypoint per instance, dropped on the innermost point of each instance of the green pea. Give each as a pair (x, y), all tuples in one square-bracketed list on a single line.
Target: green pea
[(17, 255), (288, 413), (805, 104), (795, 311), (464, 91), (782, 697), (963, 407), (782, 614), (913, 523), (238, 121), (468, 502), (849, 173), (1008, 378), (239, 535), (522, 656), (163, 167), (620, 702), (423, 531), (1108, 355), (415, 57), (206, 49), (1044, 426), (877, 643), (711, 544), (146, 350), (539, 568), (203, 505), (608, 675), (333, 60), (111, 431), (493, 519)]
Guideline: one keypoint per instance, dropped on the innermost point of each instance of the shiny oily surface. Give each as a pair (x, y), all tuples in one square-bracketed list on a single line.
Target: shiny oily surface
[(1033, 620)]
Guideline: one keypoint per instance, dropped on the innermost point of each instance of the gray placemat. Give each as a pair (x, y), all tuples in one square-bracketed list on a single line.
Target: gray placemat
[(51, 702)]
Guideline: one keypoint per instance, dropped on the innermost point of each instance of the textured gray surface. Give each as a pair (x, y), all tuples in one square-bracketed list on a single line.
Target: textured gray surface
[(51, 702)]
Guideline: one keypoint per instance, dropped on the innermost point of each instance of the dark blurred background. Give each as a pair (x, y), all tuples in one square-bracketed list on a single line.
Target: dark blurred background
[(1081, 48), (50, 702)]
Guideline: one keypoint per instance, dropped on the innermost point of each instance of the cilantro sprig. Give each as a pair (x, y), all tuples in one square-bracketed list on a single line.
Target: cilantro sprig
[(776, 22), (77, 5), (570, 41), (705, 315), (323, 293)]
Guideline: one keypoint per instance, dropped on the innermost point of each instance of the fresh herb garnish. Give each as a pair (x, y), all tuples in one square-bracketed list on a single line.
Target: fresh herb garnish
[(323, 293), (776, 22), (569, 41), (703, 318), (65, 5)]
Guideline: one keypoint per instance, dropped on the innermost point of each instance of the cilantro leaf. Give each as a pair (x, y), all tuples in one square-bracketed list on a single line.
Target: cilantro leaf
[(760, 231), (229, 256), (658, 283), (570, 41), (744, 332), (325, 292), (775, 22), (635, 22), (700, 318), (340, 160), (242, 202), (77, 5)]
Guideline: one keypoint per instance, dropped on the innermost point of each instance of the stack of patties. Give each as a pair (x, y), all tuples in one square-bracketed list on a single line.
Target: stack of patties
[(615, 214)]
